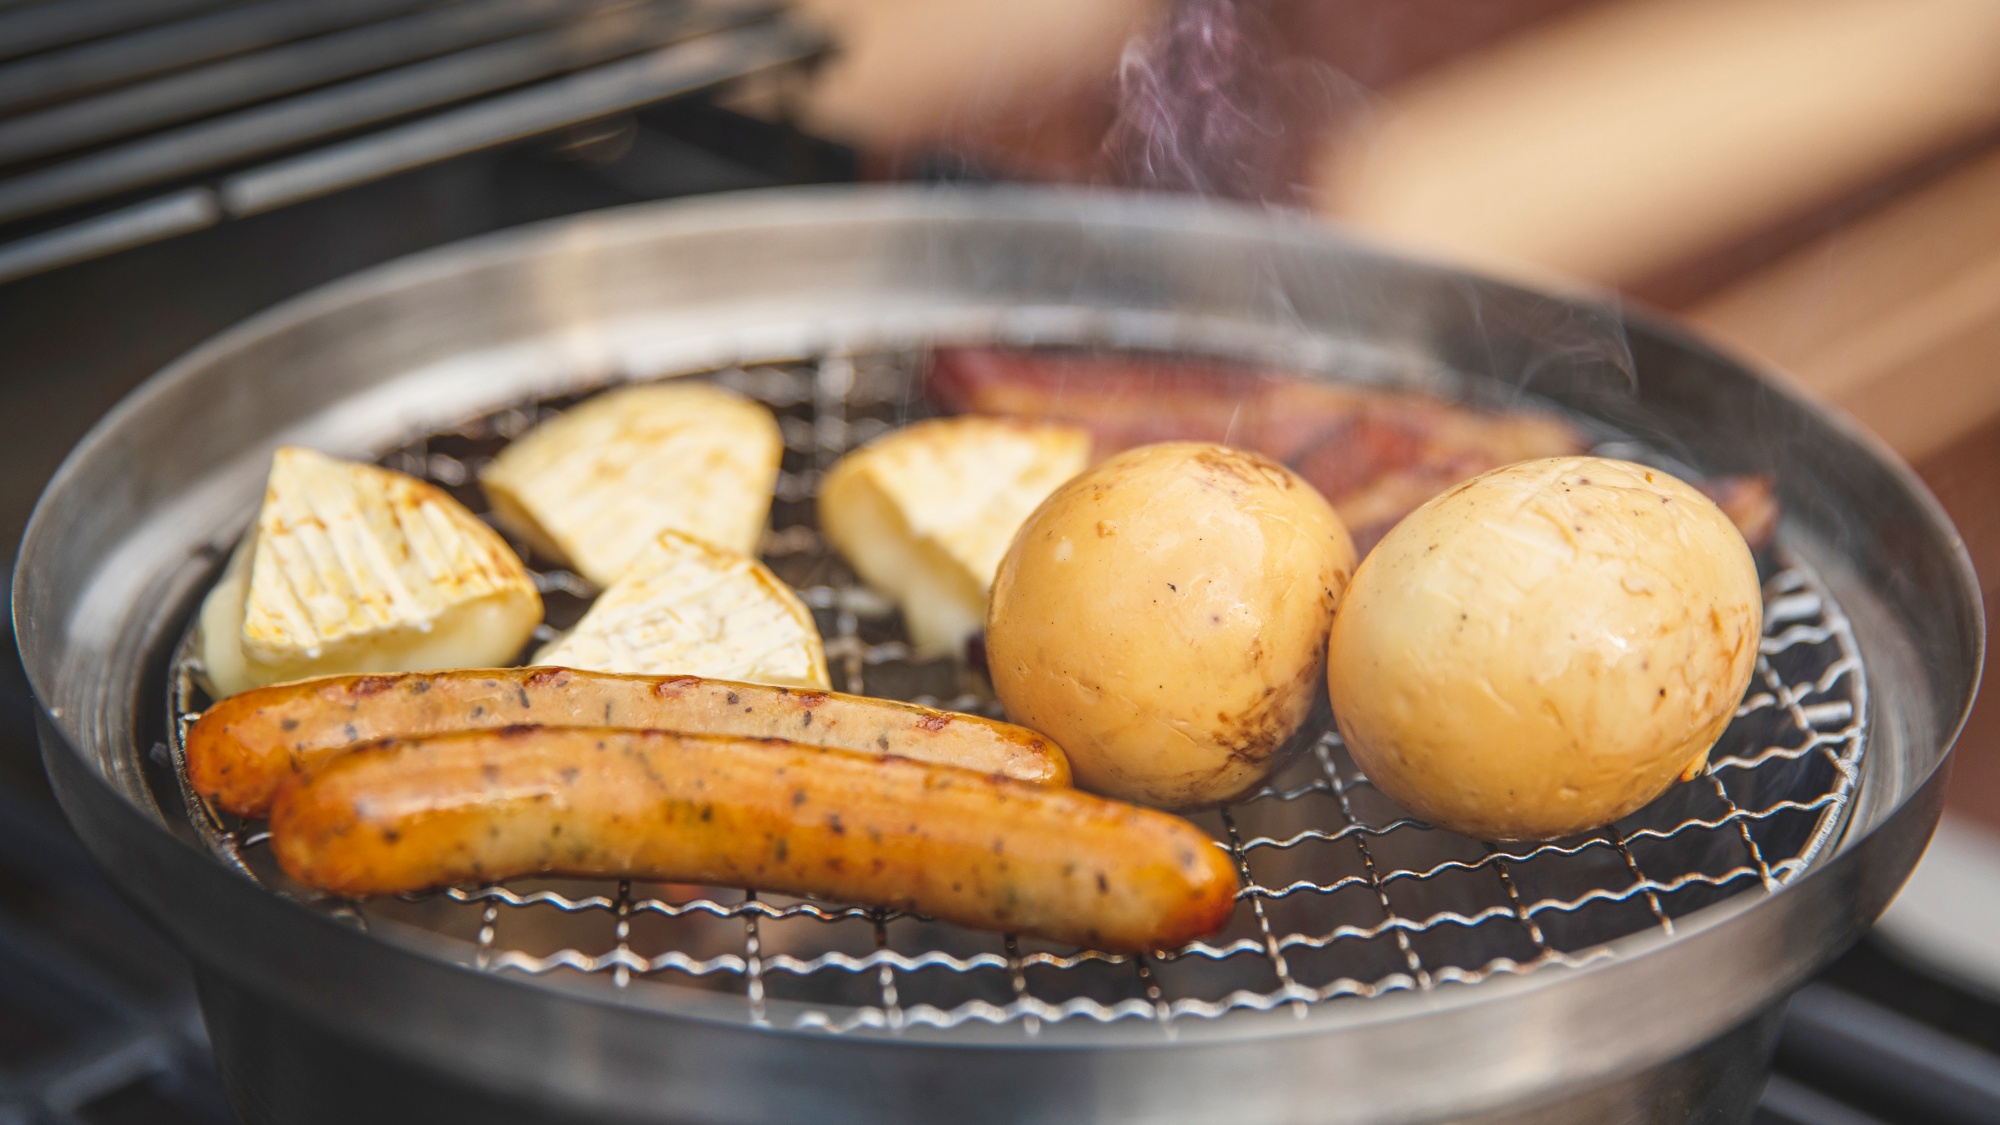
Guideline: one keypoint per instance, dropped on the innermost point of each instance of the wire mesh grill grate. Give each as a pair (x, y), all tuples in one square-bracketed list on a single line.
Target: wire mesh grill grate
[(1343, 894)]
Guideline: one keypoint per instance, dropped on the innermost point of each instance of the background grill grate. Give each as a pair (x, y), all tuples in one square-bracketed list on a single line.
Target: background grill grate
[(133, 121)]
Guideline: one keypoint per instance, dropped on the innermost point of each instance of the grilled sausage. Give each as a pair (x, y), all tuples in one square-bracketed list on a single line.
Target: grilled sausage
[(243, 746), (969, 847)]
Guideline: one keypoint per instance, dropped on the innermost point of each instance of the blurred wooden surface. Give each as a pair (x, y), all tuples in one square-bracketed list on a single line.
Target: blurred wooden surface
[(1895, 317), (1617, 141), (1377, 42), (1966, 478)]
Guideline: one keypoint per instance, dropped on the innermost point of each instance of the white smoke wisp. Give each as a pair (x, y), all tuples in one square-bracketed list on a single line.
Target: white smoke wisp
[(1209, 105)]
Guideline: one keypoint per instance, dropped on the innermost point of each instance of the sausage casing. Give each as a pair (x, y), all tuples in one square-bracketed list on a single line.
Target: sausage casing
[(968, 847), (242, 747)]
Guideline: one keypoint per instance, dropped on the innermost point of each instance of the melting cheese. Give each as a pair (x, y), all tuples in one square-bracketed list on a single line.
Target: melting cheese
[(689, 608), (353, 568), (925, 514), (595, 486)]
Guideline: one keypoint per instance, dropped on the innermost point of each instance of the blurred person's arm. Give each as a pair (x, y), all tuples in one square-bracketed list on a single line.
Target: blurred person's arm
[(1022, 81)]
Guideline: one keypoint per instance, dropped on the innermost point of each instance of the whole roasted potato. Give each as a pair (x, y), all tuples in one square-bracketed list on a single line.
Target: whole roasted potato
[(1163, 616), (1546, 647)]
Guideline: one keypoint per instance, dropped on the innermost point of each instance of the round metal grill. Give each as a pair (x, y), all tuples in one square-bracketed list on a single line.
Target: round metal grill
[(1343, 894)]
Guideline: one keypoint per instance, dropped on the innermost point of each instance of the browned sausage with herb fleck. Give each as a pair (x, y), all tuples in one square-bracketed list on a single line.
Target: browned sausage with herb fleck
[(768, 814), (242, 747)]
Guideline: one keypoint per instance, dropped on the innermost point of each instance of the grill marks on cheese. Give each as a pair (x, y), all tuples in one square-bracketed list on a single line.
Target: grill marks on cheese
[(688, 608), (345, 549), (354, 568), (597, 484)]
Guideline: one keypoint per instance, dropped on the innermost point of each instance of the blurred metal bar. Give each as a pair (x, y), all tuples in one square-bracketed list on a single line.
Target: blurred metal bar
[(1834, 1033), (366, 101), (276, 72), (581, 97), (151, 221), (72, 21), (1786, 1102), (60, 74)]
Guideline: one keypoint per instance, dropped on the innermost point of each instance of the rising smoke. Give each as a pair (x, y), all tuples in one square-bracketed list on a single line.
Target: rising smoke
[(1209, 104)]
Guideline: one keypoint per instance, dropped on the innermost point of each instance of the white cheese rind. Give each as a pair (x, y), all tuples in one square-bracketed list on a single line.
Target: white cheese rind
[(353, 568), (597, 484), (925, 514), (687, 608)]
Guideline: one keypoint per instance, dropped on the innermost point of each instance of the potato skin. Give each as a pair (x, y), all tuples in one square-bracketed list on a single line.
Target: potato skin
[(241, 748), (1164, 617), (967, 847), (1545, 648)]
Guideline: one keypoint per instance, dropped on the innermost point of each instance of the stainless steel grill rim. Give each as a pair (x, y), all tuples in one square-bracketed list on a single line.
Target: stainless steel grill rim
[(356, 1026), (834, 403)]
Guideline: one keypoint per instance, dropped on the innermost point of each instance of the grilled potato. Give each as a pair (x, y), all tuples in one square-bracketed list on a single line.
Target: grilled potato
[(925, 513), (1545, 648), (353, 568), (688, 608), (595, 486), (1164, 617)]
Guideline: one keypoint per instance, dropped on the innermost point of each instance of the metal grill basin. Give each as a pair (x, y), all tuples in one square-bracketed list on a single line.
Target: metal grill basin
[(1344, 896)]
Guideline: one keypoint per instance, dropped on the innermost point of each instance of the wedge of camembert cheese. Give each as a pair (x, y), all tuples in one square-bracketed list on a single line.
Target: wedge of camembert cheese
[(689, 608), (596, 485), (924, 514), (353, 568)]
